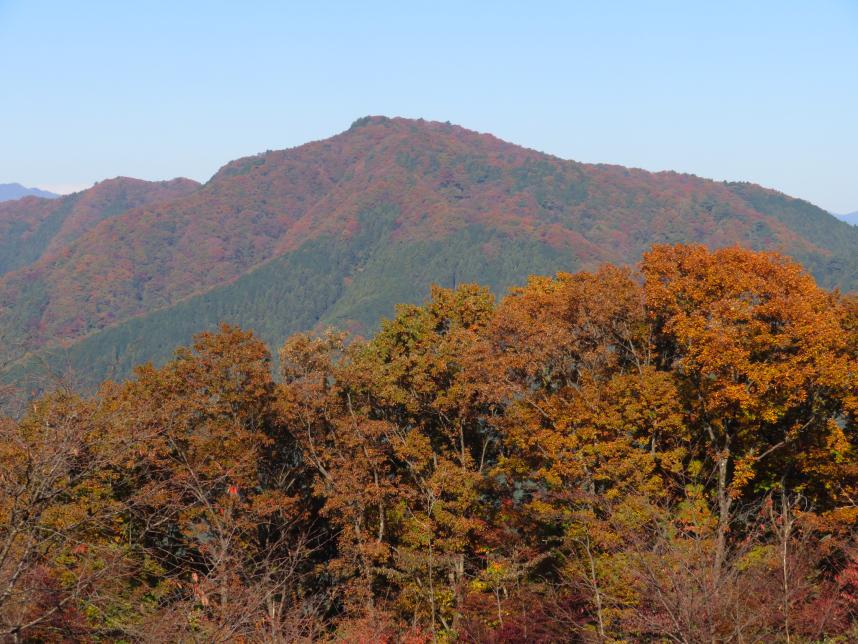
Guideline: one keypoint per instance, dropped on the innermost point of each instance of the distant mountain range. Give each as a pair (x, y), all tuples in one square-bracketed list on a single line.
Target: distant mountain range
[(337, 231), (849, 218), (10, 191)]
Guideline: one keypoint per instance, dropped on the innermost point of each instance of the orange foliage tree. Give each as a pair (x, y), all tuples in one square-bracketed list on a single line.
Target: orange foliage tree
[(616, 455)]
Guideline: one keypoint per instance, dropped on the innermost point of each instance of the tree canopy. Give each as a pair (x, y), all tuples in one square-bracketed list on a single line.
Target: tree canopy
[(661, 454)]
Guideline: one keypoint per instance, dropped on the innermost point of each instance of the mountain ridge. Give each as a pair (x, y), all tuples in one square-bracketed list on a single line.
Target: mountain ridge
[(32, 228), (412, 184)]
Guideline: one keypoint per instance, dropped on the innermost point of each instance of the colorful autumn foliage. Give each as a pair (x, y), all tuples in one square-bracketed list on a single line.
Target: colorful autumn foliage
[(619, 455), (385, 209), (31, 229)]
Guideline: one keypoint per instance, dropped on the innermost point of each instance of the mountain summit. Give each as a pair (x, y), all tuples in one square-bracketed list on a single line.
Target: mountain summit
[(336, 231)]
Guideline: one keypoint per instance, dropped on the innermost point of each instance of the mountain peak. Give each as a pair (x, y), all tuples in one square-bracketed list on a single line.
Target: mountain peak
[(369, 120), (125, 183)]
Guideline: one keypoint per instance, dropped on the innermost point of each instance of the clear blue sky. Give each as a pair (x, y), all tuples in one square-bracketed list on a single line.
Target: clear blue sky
[(752, 90)]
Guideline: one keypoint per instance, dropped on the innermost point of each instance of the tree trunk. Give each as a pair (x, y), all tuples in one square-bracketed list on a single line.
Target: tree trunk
[(724, 506)]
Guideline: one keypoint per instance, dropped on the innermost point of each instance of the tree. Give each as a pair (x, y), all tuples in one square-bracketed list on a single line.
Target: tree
[(217, 493), (761, 360), (610, 455), (61, 527)]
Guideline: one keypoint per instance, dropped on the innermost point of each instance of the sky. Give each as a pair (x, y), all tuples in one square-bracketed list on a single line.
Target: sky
[(758, 91)]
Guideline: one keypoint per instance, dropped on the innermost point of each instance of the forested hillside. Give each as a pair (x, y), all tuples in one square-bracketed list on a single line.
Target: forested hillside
[(341, 229), (33, 227), (665, 453)]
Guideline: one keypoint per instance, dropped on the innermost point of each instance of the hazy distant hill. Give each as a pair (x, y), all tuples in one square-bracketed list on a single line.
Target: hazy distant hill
[(850, 218), (9, 191), (337, 231)]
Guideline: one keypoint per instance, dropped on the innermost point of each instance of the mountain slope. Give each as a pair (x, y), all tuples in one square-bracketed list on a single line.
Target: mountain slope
[(11, 191), (338, 230), (327, 281), (31, 228), (838, 265)]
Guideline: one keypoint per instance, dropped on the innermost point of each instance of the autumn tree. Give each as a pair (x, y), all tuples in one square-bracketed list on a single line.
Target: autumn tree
[(62, 546), (593, 437), (400, 451), (617, 455), (216, 491), (760, 356)]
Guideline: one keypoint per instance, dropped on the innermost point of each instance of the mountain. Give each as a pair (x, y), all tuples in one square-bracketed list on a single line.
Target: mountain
[(10, 191), (32, 228), (849, 218), (337, 231)]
